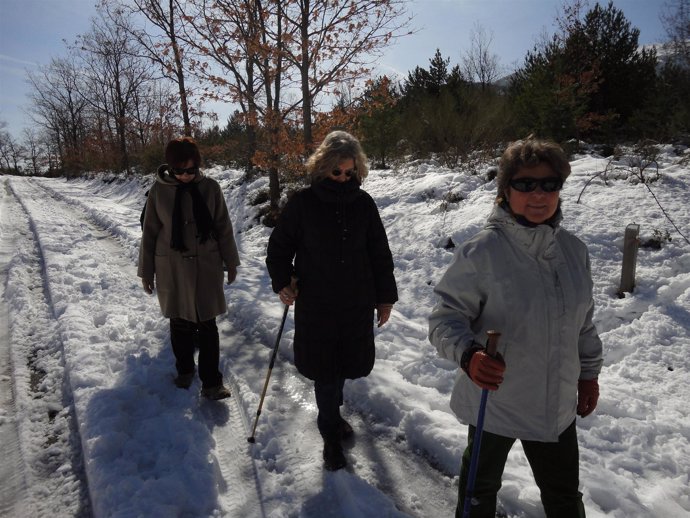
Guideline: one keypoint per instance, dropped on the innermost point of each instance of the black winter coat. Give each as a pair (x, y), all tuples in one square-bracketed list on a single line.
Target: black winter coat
[(344, 267)]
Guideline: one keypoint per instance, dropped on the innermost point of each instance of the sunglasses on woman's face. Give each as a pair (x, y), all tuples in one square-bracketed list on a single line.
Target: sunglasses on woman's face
[(531, 184), (177, 171), (348, 173)]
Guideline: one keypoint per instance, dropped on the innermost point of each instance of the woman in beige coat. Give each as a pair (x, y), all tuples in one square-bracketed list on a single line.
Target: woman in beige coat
[(187, 237)]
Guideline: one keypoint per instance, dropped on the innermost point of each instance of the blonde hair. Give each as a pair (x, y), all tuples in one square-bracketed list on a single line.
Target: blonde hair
[(336, 147), (530, 152)]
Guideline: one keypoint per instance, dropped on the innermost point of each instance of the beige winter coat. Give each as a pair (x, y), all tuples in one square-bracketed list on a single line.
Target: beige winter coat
[(189, 284), (532, 284)]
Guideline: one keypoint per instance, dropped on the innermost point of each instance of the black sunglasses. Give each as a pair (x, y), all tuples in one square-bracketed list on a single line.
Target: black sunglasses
[(194, 170), (348, 173), (530, 184)]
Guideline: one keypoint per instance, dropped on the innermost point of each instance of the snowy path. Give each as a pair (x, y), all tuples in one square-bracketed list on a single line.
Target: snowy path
[(12, 472), (92, 286), (102, 313), (47, 458), (76, 309)]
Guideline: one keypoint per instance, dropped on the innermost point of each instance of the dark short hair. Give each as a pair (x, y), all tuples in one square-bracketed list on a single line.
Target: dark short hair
[(180, 150), (530, 152)]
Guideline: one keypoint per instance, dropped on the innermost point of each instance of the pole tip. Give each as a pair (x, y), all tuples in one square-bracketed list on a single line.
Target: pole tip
[(251, 440)]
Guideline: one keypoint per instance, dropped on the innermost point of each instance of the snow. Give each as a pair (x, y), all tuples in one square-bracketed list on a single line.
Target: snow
[(100, 430)]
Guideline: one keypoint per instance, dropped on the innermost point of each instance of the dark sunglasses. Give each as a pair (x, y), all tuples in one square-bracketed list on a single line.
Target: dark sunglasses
[(348, 173), (530, 184), (194, 170)]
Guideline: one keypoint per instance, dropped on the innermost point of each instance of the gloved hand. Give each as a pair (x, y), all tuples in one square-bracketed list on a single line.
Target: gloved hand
[(486, 371), (587, 396), (232, 274)]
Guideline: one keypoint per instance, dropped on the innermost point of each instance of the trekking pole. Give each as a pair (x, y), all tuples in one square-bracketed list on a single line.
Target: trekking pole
[(491, 344), (268, 374)]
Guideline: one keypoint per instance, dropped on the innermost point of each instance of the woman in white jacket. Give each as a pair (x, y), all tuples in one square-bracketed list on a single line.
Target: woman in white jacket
[(526, 277)]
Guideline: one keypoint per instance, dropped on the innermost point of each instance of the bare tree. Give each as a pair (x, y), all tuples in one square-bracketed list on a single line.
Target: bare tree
[(336, 42), (238, 55), (6, 145), (228, 47), (277, 59), (675, 17), (115, 75), (59, 108), (479, 63), (155, 114), (159, 42), (34, 149)]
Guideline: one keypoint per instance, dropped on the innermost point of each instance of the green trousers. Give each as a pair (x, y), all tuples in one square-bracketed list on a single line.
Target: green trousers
[(555, 466)]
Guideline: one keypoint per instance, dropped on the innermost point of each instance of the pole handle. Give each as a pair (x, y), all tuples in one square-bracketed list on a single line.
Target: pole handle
[(492, 342)]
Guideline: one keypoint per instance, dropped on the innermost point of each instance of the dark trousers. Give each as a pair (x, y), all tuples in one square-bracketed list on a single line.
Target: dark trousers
[(555, 466), (329, 398), (184, 336)]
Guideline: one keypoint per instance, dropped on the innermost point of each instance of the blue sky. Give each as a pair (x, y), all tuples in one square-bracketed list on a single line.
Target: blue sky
[(32, 32)]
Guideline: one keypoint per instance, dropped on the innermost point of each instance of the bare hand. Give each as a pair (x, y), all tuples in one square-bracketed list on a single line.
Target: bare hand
[(383, 313), (148, 285), (587, 396), (289, 293)]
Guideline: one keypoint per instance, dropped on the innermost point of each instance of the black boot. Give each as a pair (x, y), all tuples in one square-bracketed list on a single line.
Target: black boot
[(346, 431), (333, 457)]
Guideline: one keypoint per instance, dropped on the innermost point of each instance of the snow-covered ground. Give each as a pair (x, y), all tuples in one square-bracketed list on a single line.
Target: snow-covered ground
[(91, 424)]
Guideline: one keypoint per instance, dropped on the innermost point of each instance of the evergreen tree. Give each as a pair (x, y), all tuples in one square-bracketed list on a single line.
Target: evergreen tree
[(378, 121), (588, 80)]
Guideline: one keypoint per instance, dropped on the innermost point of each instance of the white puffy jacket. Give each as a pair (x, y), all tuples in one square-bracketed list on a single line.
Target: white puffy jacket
[(532, 284)]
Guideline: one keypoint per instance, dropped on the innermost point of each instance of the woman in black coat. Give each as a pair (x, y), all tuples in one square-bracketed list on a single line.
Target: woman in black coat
[(329, 253)]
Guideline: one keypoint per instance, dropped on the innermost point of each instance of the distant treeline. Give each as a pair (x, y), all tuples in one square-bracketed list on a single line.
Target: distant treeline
[(124, 90)]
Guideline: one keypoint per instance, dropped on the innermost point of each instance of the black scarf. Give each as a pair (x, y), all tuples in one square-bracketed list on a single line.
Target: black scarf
[(330, 191), (202, 216)]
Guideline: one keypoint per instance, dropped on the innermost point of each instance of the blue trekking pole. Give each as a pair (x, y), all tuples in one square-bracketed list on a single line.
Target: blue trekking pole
[(491, 345)]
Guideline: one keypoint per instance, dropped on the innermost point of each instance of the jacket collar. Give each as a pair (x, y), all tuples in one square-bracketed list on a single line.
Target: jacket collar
[(331, 191), (535, 239)]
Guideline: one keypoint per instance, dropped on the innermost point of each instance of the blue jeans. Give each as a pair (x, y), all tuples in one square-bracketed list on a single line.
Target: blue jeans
[(555, 466)]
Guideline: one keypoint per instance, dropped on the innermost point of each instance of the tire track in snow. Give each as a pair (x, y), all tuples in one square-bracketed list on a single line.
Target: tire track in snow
[(298, 469), (49, 439), (74, 278), (12, 473), (287, 455)]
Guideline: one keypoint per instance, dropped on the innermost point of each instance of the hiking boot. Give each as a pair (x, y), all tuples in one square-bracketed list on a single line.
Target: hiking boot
[(184, 381), (215, 393), (333, 457), (346, 431)]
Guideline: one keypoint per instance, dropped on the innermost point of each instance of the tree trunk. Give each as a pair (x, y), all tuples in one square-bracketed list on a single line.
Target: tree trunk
[(184, 106), (304, 71)]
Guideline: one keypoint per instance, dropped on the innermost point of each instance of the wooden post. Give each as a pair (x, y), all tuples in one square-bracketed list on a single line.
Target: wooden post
[(631, 243)]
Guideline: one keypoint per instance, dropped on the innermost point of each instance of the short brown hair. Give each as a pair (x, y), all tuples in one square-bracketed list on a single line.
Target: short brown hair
[(180, 150), (530, 152), (336, 147)]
